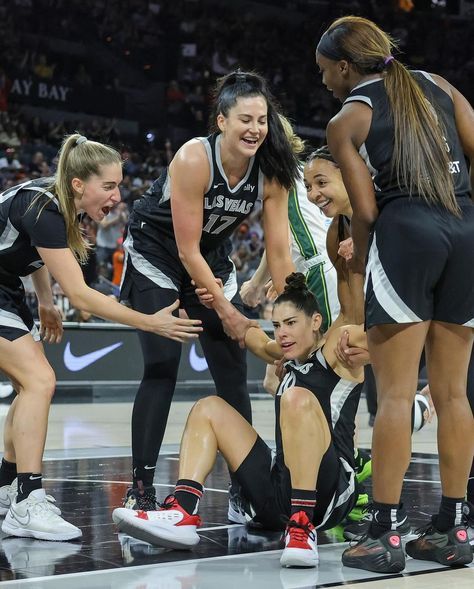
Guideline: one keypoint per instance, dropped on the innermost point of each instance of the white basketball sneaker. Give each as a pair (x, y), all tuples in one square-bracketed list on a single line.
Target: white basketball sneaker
[(36, 517), (6, 492), (301, 546), (9, 492), (170, 526)]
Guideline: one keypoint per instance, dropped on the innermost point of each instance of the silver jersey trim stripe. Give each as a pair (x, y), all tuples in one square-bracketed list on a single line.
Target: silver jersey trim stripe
[(359, 98), (221, 168), (362, 84), (8, 236), (427, 76), (145, 267), (43, 191), (207, 147), (384, 291), (261, 185)]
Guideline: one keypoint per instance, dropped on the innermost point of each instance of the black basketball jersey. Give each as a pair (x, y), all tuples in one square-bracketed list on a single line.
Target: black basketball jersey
[(224, 208), (24, 226), (377, 150), (339, 400)]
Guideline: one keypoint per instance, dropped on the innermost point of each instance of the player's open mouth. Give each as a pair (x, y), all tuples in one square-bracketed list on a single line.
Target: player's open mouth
[(249, 141), (106, 210), (287, 345)]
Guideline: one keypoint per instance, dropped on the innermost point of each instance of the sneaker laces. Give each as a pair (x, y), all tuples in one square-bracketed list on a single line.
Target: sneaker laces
[(300, 531), (146, 500), (169, 503), (42, 508)]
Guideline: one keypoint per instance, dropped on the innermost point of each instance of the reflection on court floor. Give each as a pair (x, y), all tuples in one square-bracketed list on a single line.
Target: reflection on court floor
[(88, 489)]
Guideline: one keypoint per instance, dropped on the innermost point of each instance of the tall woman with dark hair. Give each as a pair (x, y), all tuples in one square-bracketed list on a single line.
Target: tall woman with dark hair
[(179, 233), (400, 140)]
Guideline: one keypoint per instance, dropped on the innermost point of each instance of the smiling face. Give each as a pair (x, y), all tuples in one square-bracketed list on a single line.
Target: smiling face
[(245, 126), (99, 193), (334, 76), (325, 188), (295, 332)]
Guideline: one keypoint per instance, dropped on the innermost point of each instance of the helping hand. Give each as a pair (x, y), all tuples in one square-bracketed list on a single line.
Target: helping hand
[(348, 356), (250, 294), (204, 296), (164, 323), (51, 324)]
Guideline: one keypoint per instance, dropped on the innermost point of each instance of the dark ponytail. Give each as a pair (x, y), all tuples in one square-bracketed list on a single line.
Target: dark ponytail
[(276, 157), (297, 292)]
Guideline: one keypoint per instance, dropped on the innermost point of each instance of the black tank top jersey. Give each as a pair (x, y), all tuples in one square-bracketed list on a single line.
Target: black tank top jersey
[(224, 208), (378, 148), (339, 399), (22, 230)]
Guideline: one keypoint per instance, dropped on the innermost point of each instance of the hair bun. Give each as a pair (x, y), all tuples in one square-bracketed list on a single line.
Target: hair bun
[(296, 281)]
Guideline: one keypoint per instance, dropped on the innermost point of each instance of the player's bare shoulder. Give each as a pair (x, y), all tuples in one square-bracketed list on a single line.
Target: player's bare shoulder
[(191, 161)]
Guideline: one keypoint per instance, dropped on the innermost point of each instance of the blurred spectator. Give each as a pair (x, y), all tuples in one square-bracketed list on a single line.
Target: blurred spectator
[(109, 231), (9, 161), (117, 262), (43, 69)]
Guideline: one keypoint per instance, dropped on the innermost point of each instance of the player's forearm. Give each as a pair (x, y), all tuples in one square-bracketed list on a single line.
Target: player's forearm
[(261, 275), (42, 284), (280, 266), (203, 277)]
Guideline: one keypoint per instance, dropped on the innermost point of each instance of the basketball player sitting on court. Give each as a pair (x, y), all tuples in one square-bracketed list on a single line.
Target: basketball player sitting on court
[(311, 480)]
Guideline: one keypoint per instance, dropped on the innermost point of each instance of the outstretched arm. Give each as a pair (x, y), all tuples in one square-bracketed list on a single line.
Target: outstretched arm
[(276, 229), (258, 342), (251, 290), (189, 173), (66, 270)]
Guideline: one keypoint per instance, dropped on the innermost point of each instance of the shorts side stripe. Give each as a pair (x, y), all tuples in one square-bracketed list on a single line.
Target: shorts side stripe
[(343, 497), (143, 266), (11, 320), (231, 287), (384, 291), (339, 396)]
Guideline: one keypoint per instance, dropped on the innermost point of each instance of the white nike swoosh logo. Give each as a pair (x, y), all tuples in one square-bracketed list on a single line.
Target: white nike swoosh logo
[(24, 521), (76, 363), (217, 185), (198, 363), (32, 478), (146, 467)]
